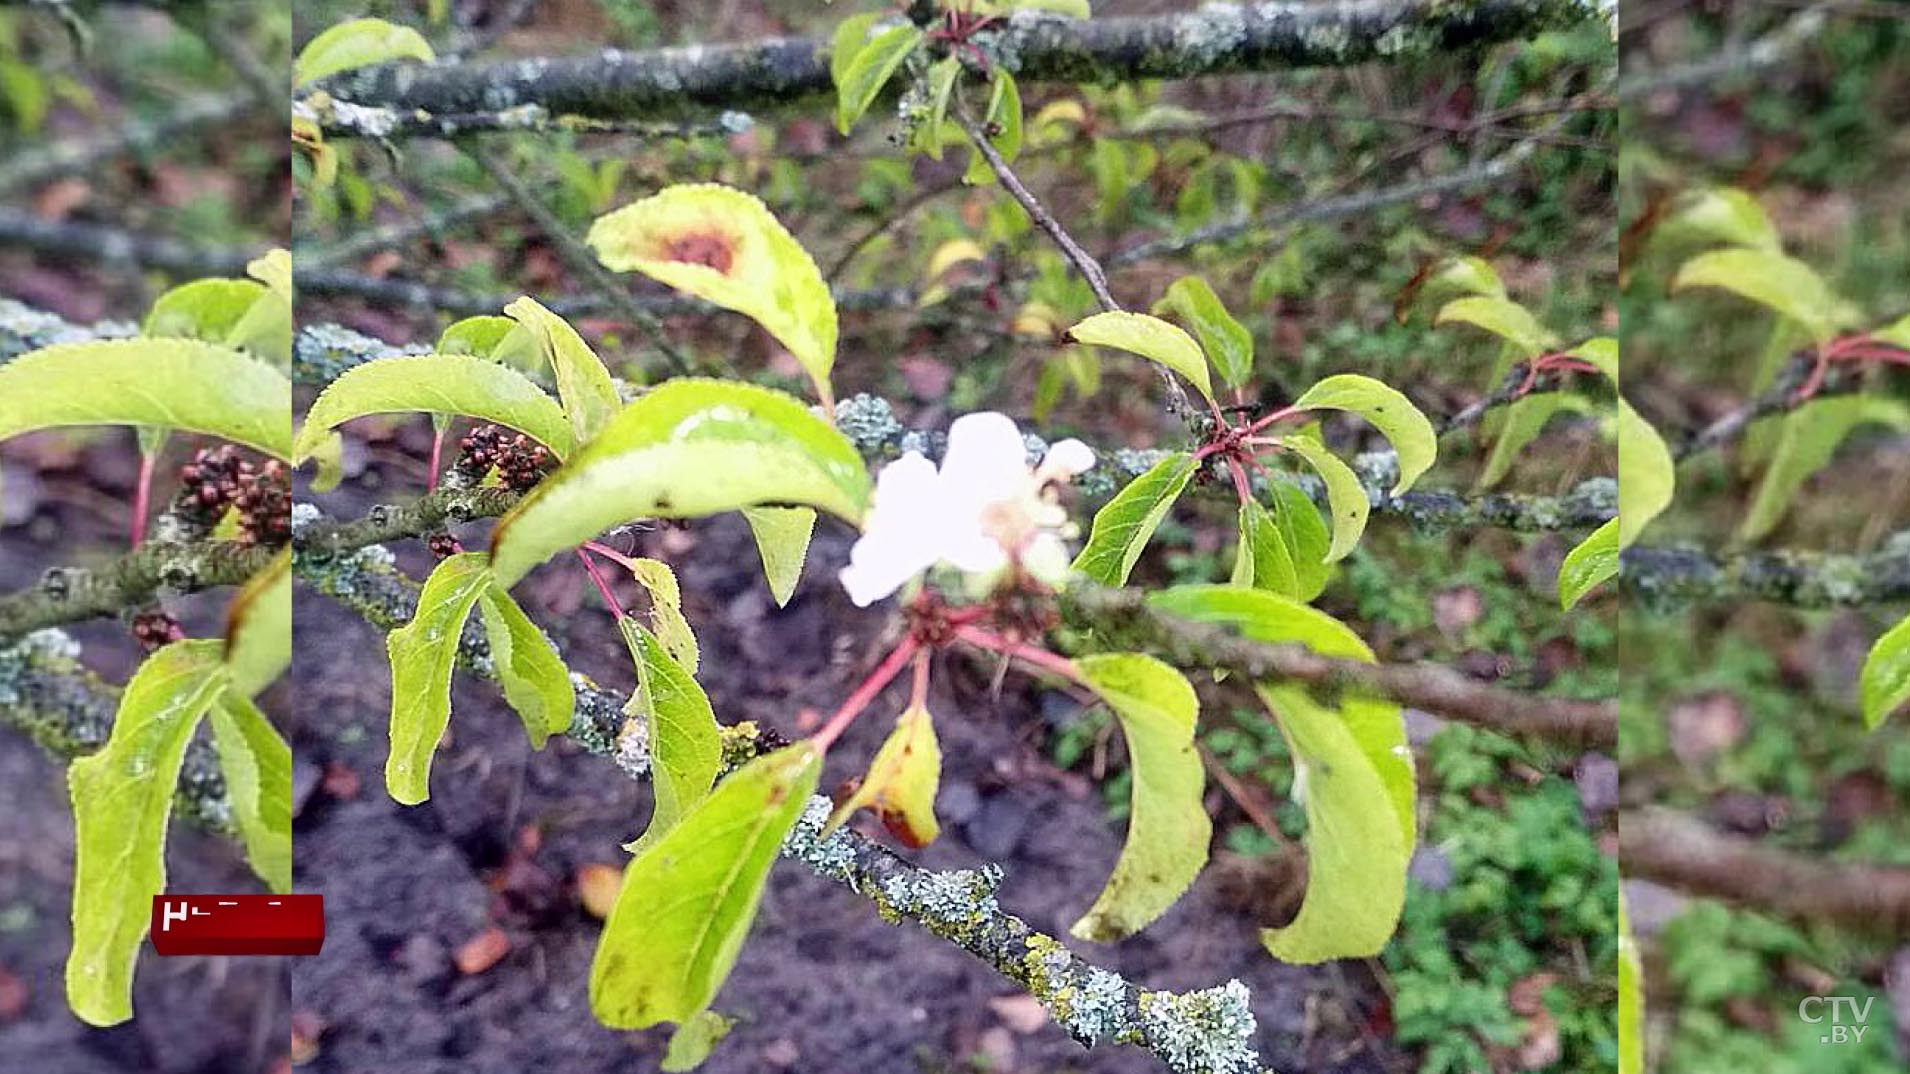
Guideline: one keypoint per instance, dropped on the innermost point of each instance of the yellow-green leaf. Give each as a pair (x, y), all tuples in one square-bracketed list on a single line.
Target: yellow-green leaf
[(1897, 333), (1500, 316), (358, 43), (1885, 683), (1524, 420), (1385, 409), (584, 386), (159, 383), (694, 1040), (265, 329), (726, 247), (1345, 497), (1592, 562), (436, 384), (688, 901), (259, 627), (257, 765), (1124, 524), (1168, 827), (535, 681), (667, 620), (850, 35), (686, 746), (687, 448), (1722, 214), (1228, 344), (1004, 121), (782, 542), (1782, 284), (1807, 441), (122, 797), (1646, 474), (1356, 851), (205, 310), (422, 654), (1149, 337), (1631, 997), (1262, 559), (901, 782)]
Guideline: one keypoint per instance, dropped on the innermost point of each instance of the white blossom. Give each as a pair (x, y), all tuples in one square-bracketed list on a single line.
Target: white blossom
[(983, 510)]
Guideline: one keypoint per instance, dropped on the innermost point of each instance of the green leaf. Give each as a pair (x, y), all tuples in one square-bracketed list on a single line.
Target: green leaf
[(901, 782), (535, 681), (436, 384), (1465, 275), (1226, 342), (1807, 442), (122, 797), (1601, 352), (1149, 337), (257, 765), (358, 43), (1723, 214), (1168, 829), (1646, 474), (869, 69), (1356, 852), (162, 383), (1631, 997), (849, 37), (1305, 535), (688, 901), (1787, 286), (694, 1040), (1500, 316), (687, 448), (1004, 119), (1261, 557), (259, 627), (686, 746), (1524, 420), (422, 654), (1384, 409), (1591, 563), (583, 384), (1345, 496), (727, 248), (927, 133), (206, 310), (266, 327), (1123, 526), (1263, 616), (782, 541), (479, 336), (1886, 676)]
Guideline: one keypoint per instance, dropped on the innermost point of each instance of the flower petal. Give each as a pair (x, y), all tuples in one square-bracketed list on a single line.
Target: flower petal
[(986, 459), (1066, 459)]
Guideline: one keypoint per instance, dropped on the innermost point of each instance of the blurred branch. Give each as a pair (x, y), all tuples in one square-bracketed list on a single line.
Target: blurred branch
[(1203, 1032), (1667, 576), (1036, 47), (1122, 619), (134, 580), (65, 157), (1683, 852), (582, 260), (115, 246), (362, 244), (1737, 59)]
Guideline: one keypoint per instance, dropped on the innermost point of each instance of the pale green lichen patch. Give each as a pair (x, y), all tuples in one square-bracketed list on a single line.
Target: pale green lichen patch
[(1205, 1032), (832, 857), (1087, 1001), (953, 904)]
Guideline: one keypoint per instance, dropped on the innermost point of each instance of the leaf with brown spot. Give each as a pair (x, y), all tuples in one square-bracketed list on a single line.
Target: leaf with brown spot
[(902, 781)]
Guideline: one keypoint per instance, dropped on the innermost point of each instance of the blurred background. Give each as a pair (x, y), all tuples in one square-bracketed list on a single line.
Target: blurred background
[(1740, 710)]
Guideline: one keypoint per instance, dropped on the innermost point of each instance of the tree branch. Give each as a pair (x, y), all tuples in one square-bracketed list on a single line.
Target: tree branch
[(1217, 39), (73, 156), (1683, 852), (362, 244), (114, 246), (1669, 576), (136, 579)]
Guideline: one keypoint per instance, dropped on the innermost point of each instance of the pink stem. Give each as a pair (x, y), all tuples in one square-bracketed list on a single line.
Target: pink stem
[(142, 495), (871, 686), (1242, 486), (437, 457), (1261, 423), (603, 587), (1033, 654), (611, 554)]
